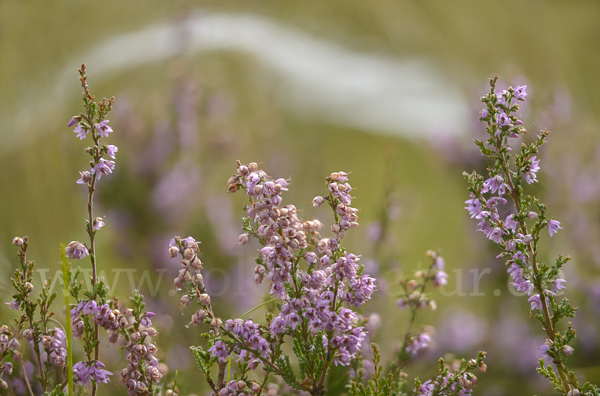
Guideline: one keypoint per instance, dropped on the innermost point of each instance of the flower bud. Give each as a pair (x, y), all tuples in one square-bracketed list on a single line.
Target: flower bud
[(573, 392), (173, 251), (411, 285), (204, 299), (432, 305), (243, 239), (511, 245), (17, 241), (178, 282), (252, 166), (318, 201), (196, 263), (216, 322), (198, 280), (188, 253), (532, 215), (483, 367), (567, 350), (527, 239), (185, 301)]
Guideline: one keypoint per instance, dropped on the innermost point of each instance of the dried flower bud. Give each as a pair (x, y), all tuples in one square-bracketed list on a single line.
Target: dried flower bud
[(318, 201), (483, 367), (17, 241), (252, 166), (216, 322), (204, 299), (173, 251), (188, 253), (567, 350), (196, 263), (185, 301), (198, 317)]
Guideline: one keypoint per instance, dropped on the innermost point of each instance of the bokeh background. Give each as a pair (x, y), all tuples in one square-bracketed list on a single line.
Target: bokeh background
[(386, 89)]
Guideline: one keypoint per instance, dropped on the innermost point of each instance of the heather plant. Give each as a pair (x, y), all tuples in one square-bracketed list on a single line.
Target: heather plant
[(317, 286), (517, 230), (92, 309)]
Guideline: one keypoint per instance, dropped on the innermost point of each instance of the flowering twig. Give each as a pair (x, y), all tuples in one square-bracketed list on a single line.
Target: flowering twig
[(518, 241)]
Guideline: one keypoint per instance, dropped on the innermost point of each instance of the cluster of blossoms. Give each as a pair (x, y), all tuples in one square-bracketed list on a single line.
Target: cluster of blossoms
[(314, 277), (54, 343), (142, 367), (518, 233), (91, 370), (460, 381)]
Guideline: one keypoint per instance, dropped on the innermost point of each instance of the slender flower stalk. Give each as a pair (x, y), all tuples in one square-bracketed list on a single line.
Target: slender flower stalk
[(516, 236)]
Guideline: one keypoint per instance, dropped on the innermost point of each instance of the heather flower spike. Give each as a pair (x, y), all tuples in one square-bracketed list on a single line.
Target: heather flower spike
[(518, 236)]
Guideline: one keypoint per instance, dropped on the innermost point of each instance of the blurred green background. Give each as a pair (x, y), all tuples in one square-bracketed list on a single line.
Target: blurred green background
[(385, 89)]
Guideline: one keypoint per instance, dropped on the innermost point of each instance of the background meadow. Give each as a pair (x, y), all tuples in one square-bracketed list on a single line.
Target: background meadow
[(387, 90)]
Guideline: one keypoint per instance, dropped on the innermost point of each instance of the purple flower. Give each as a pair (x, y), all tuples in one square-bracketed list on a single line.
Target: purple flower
[(496, 235), (536, 302), (510, 223), (220, 351), (520, 92), (98, 223), (503, 120), (440, 278), (484, 114), (14, 304), (96, 372), (531, 172), (76, 250), (103, 167), (81, 132), (103, 129), (494, 184), (553, 227), (111, 150), (558, 285), (73, 121), (85, 178)]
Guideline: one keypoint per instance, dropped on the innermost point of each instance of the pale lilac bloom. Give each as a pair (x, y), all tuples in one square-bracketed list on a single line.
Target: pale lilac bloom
[(503, 120), (484, 114), (72, 122), (76, 250), (111, 150), (103, 167), (511, 223), (441, 278), (81, 132), (496, 235), (536, 302), (553, 227), (494, 184), (103, 129), (85, 178), (558, 285), (98, 223), (14, 304), (531, 172), (520, 92)]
